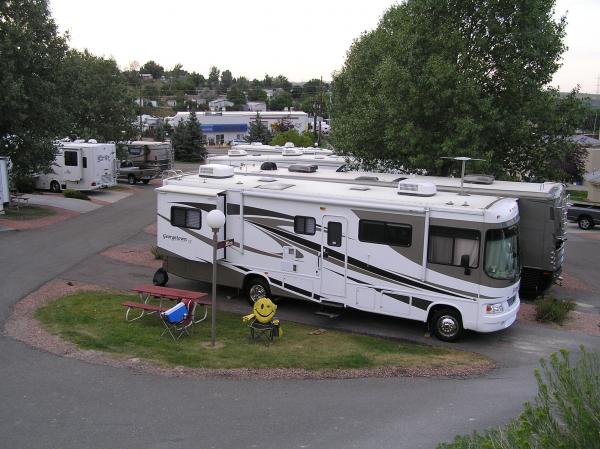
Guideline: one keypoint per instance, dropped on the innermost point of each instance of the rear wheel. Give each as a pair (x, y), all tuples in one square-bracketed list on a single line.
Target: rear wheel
[(257, 288), (446, 324), (131, 180), (55, 187), (585, 222), (145, 181)]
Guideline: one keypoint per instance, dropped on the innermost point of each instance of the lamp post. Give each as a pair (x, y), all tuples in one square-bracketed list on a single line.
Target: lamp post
[(215, 220)]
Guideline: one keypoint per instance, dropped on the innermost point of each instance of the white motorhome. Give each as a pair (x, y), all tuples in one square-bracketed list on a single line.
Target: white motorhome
[(542, 211), (259, 148), (405, 251), (81, 166), (237, 157)]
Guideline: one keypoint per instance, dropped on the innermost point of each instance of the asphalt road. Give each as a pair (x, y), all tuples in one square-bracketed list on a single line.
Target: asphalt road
[(54, 402)]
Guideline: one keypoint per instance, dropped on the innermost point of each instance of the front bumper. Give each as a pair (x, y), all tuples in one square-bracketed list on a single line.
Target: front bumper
[(499, 321)]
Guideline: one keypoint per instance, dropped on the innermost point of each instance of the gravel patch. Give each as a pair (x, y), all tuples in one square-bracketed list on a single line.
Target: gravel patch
[(150, 229), (35, 223), (24, 327), (586, 322), (572, 283), (136, 255)]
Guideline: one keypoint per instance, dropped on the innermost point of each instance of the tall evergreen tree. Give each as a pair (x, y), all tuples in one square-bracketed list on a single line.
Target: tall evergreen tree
[(188, 140), (259, 132)]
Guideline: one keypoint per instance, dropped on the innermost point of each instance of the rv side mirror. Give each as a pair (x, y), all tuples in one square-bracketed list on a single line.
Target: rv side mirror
[(464, 262)]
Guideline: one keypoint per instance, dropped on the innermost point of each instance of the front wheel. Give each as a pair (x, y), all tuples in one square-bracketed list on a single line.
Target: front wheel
[(446, 324), (55, 187), (131, 180), (257, 288), (585, 222)]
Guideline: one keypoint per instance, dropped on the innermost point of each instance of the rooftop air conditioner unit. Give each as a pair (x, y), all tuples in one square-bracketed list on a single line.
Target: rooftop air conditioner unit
[(416, 188), (235, 152), (303, 168), (287, 151), (215, 171)]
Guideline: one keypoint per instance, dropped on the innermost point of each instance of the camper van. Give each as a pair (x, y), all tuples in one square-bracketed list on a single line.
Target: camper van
[(155, 155), (406, 251), (542, 210), (81, 166), (288, 156)]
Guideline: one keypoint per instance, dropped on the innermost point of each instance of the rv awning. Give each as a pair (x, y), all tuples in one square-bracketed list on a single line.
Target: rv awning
[(201, 191)]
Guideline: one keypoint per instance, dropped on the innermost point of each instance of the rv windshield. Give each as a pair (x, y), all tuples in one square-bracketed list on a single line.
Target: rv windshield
[(502, 253)]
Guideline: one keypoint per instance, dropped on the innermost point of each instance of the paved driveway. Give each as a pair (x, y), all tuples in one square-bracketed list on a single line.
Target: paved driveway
[(49, 401)]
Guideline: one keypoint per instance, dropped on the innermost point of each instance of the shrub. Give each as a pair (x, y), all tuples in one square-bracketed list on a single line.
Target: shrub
[(565, 413), (552, 309), (156, 252), (24, 184), (77, 194)]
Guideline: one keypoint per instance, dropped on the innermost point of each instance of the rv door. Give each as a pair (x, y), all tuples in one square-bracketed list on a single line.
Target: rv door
[(72, 168), (334, 260)]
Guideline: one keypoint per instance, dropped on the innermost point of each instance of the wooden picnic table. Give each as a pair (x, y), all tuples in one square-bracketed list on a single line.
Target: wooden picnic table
[(147, 292), (18, 199)]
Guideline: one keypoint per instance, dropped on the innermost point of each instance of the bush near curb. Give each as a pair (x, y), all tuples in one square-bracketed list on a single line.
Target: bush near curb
[(156, 252), (553, 310), (565, 413), (77, 194), (24, 184)]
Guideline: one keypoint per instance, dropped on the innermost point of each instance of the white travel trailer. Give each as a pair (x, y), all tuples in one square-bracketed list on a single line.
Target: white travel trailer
[(542, 211), (259, 148), (81, 166), (405, 251), (4, 184), (289, 156)]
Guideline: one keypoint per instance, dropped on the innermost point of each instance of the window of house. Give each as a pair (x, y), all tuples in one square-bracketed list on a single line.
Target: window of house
[(334, 233), (305, 225), (186, 218), (447, 246), (384, 233), (71, 158)]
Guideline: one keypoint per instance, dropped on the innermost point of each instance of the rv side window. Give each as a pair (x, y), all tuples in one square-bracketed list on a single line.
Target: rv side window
[(447, 246), (71, 158), (84, 162), (186, 218), (384, 233), (334, 233), (135, 151), (305, 225)]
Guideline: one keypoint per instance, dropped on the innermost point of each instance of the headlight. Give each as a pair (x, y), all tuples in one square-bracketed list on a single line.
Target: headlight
[(494, 308)]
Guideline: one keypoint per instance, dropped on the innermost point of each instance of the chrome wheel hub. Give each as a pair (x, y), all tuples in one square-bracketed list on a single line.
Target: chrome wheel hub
[(256, 292), (447, 325)]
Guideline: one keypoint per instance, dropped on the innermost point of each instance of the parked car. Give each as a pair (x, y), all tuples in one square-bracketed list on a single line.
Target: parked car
[(586, 215), (133, 174)]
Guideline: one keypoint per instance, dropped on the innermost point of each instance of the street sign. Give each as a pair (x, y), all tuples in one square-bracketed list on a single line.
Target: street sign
[(224, 243)]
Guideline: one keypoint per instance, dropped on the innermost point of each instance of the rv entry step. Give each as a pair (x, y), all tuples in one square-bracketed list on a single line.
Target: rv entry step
[(330, 309)]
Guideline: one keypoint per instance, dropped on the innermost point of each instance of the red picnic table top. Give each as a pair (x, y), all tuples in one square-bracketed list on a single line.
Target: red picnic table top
[(169, 293)]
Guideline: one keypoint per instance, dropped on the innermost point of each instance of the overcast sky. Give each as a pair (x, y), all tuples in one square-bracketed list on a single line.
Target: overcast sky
[(301, 40)]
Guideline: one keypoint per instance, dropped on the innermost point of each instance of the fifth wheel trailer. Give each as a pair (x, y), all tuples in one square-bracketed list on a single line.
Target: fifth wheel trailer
[(408, 251)]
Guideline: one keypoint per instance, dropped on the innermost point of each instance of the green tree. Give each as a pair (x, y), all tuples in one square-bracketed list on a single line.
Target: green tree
[(305, 139), (280, 101), (213, 77), (188, 140), (154, 69), (94, 94), (238, 97), (197, 79), (31, 54), (256, 93), (447, 78), (259, 131), (282, 82), (226, 80)]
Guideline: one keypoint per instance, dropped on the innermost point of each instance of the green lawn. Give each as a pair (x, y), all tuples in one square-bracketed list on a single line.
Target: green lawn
[(27, 213), (95, 320)]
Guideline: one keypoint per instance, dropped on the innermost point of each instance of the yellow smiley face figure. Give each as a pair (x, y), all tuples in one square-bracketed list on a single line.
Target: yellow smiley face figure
[(264, 310)]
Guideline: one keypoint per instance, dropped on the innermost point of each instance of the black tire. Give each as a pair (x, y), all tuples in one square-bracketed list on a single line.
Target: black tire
[(131, 180), (257, 288), (160, 277), (55, 187), (585, 222), (446, 325), (145, 181)]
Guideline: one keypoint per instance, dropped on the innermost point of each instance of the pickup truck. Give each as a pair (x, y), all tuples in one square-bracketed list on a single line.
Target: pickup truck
[(586, 215), (132, 174)]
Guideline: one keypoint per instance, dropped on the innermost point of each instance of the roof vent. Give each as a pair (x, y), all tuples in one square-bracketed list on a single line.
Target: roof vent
[(215, 171), (366, 178), (289, 145), (479, 179), (235, 152), (256, 143), (291, 151), (268, 166), (417, 188), (303, 168)]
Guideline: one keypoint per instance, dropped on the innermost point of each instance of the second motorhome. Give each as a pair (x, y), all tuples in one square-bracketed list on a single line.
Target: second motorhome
[(409, 251), (81, 166)]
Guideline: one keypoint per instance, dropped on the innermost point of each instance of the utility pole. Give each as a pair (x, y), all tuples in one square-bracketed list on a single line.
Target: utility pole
[(320, 110), (141, 106), (596, 114)]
